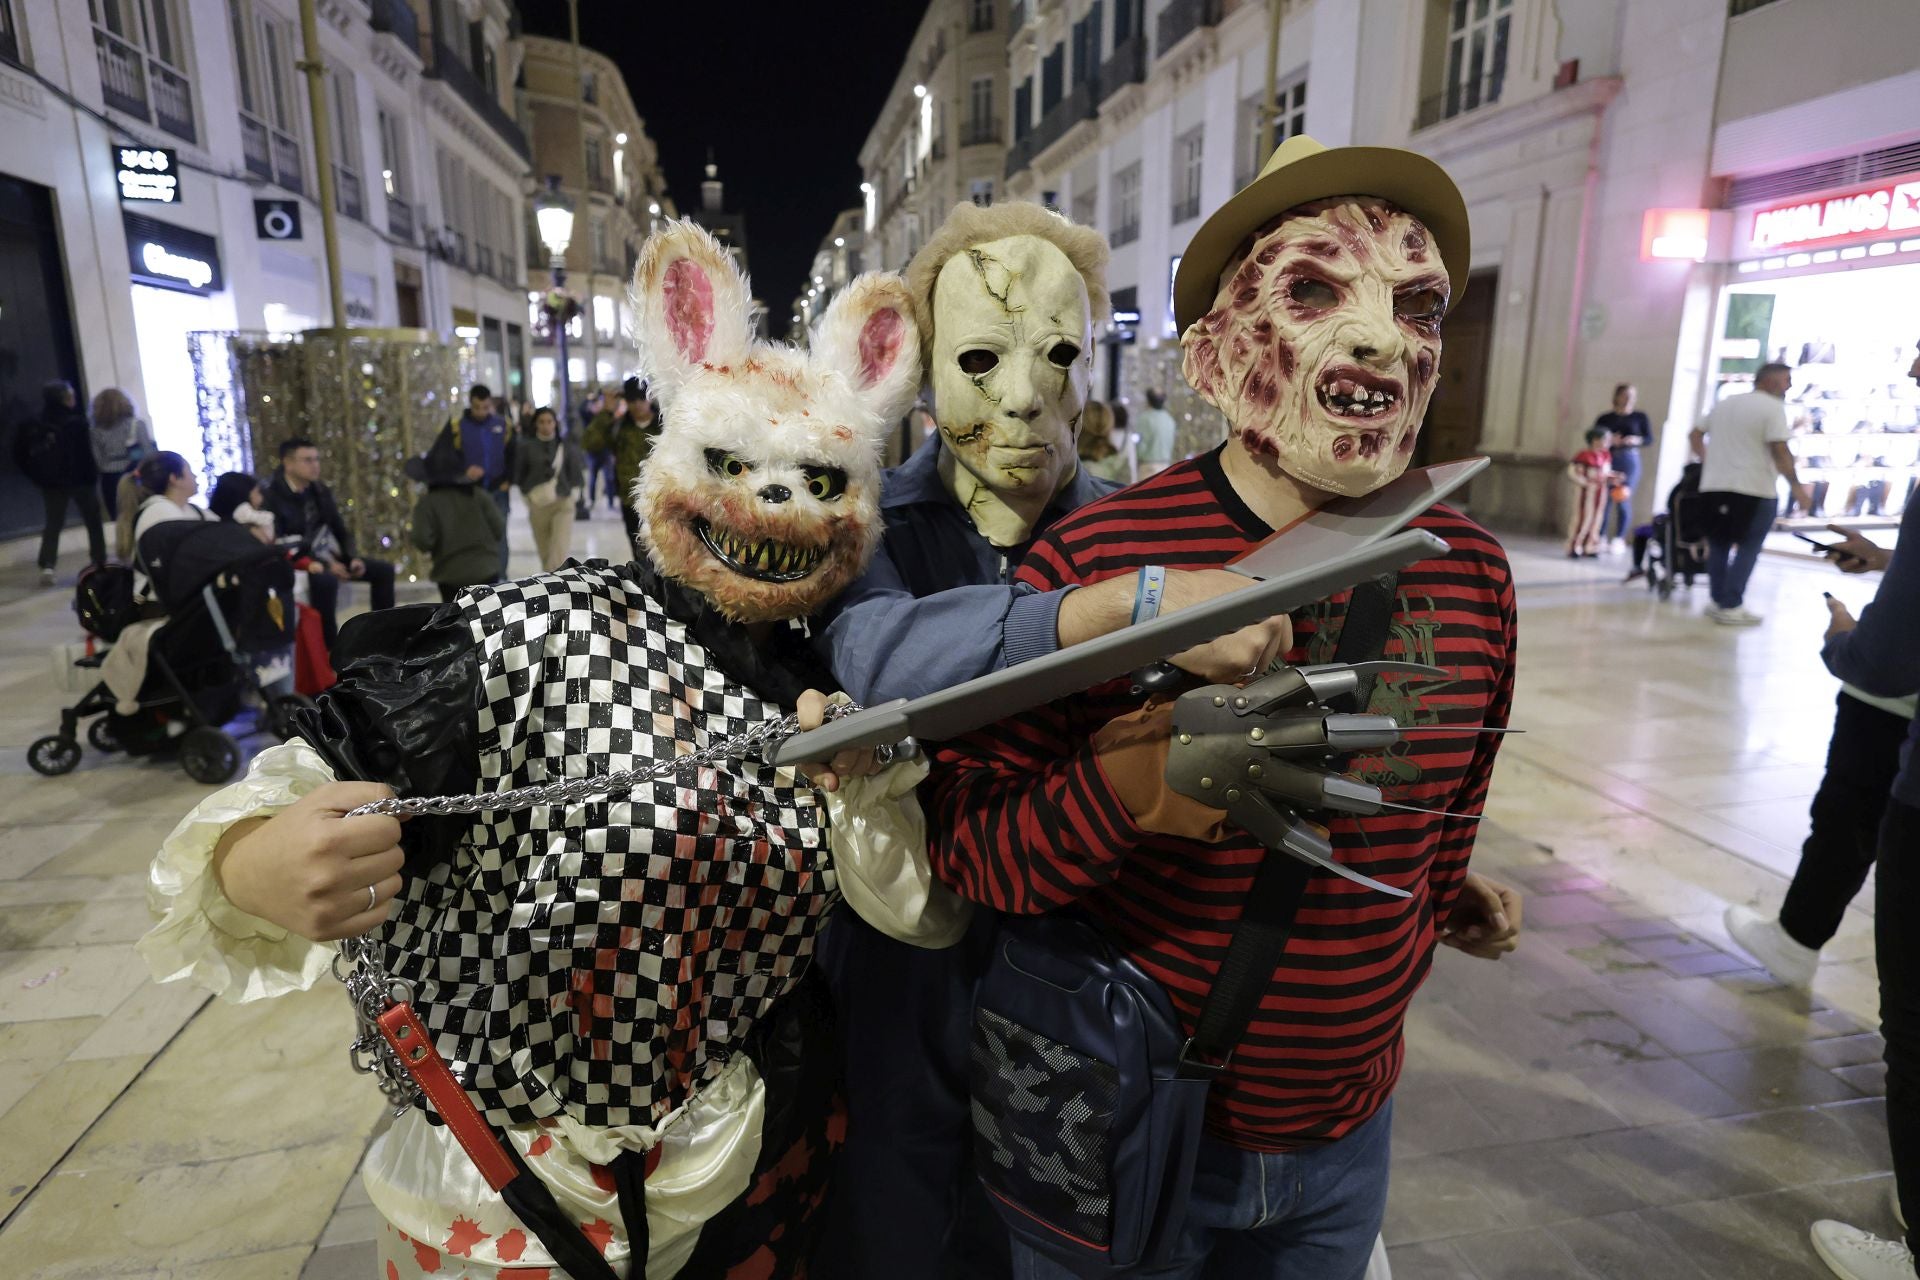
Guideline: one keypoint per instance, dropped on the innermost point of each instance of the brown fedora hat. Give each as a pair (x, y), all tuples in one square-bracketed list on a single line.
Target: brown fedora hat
[(1302, 170)]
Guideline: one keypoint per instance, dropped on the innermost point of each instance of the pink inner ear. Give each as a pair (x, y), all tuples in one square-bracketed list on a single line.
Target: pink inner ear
[(689, 305), (880, 341)]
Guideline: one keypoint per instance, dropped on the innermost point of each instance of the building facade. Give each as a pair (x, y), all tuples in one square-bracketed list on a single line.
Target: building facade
[(588, 135), (1575, 131), (157, 164), (941, 137), (840, 257)]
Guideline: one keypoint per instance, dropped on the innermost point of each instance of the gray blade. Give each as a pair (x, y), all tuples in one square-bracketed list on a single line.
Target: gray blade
[(1347, 522), (965, 707)]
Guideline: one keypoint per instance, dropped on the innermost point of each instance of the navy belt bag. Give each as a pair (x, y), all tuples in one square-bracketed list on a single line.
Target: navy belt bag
[(1088, 1096)]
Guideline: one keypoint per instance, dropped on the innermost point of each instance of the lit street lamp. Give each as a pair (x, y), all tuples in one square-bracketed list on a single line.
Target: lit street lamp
[(553, 214)]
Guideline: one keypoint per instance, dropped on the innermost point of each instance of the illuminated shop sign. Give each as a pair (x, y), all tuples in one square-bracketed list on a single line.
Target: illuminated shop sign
[(147, 175), (1858, 214), (170, 257)]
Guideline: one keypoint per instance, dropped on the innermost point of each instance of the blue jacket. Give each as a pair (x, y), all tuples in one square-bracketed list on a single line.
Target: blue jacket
[(1882, 654), (936, 607), (483, 442)]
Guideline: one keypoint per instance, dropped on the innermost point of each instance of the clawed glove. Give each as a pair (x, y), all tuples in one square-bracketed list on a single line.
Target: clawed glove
[(1266, 755)]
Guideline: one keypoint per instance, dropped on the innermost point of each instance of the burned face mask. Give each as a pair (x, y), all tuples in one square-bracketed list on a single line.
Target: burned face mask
[(1324, 342), (1012, 353)]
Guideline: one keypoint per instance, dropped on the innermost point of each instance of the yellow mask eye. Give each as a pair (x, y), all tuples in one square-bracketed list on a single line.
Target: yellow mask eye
[(726, 464), (826, 483)]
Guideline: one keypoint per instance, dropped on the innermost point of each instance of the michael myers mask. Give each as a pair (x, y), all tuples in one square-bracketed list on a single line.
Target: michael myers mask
[(1324, 341), (763, 490), (1011, 355)]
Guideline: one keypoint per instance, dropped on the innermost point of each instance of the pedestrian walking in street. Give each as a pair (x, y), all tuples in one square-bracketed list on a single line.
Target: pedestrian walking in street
[(120, 439), (1099, 456), (303, 508), (627, 432), (1744, 451), (1591, 471), (456, 521), (485, 440), (548, 471), (1631, 433), (1155, 433), (55, 452)]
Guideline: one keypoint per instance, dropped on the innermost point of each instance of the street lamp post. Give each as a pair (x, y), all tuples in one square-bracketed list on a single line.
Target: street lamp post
[(553, 214)]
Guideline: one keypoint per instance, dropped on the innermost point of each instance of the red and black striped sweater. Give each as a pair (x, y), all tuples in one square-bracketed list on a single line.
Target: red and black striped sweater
[(1027, 822)]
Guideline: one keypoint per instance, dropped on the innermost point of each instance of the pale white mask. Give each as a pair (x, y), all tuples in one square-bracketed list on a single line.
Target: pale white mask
[(1012, 355)]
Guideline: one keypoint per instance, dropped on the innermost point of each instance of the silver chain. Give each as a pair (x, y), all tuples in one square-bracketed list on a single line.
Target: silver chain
[(373, 990), (750, 744)]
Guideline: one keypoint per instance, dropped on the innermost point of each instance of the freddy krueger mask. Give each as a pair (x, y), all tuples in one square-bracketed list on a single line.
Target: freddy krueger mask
[(763, 490), (1005, 297), (1324, 342)]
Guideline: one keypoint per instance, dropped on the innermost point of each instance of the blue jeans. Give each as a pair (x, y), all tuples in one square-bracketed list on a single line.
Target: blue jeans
[(1737, 527), (501, 500), (1311, 1213)]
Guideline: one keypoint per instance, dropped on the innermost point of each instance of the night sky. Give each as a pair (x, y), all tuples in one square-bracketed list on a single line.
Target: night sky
[(784, 94)]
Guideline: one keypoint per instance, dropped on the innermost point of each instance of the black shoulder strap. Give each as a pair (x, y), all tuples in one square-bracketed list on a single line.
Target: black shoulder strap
[(1260, 936)]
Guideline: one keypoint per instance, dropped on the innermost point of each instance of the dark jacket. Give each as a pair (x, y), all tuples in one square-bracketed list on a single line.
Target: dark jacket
[(536, 461), (55, 450), (460, 526), (627, 441), (485, 442), (291, 512)]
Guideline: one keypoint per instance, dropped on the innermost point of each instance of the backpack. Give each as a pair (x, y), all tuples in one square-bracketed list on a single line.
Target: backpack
[(103, 600)]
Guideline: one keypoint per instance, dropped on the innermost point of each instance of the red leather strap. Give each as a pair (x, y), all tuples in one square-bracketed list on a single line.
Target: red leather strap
[(404, 1031)]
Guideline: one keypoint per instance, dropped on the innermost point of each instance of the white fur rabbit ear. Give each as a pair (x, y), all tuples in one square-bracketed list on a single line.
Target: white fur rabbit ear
[(868, 335), (691, 307)]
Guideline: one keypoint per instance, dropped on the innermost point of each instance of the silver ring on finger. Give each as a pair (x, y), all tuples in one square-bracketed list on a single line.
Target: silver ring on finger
[(373, 897)]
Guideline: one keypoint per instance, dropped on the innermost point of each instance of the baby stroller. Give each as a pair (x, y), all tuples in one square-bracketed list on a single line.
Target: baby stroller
[(228, 599), (1677, 546)]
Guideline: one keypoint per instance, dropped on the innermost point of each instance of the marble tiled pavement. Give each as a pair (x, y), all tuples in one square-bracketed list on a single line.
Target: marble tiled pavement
[(1625, 1096)]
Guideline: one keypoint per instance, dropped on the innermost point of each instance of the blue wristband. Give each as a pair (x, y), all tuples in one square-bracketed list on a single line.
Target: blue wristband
[(1152, 585)]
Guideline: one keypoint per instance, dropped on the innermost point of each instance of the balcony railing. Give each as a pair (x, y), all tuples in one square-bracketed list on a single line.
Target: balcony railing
[(938, 150), (1125, 233), (979, 18), (123, 74), (460, 78), (287, 168), (144, 87), (980, 133), (1181, 18), (1460, 99), (255, 147), (483, 259), (396, 17), (1078, 105), (1019, 155), (601, 182), (1185, 209), (399, 219), (348, 197), (1016, 18), (1128, 65)]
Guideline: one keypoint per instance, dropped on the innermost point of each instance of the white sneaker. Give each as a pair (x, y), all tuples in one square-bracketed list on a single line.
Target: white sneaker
[(1763, 939), (46, 577), (1853, 1254), (1734, 617)]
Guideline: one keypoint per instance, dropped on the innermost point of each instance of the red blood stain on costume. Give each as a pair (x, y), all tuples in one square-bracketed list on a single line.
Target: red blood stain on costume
[(603, 1178), (790, 1167), (393, 1272), (599, 1233), (465, 1235), (511, 1245), (526, 1273), (427, 1259), (689, 299), (540, 1146)]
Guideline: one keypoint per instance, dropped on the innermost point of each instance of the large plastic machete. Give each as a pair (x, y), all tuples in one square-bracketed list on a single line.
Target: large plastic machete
[(952, 712)]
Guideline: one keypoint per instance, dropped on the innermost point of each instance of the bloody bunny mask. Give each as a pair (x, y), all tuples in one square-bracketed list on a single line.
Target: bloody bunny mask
[(1324, 341), (762, 492)]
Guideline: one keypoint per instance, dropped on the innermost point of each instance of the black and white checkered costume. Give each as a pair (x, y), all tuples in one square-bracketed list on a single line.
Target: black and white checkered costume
[(605, 960)]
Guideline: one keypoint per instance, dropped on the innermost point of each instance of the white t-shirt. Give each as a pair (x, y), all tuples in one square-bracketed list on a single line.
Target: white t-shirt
[(1738, 432)]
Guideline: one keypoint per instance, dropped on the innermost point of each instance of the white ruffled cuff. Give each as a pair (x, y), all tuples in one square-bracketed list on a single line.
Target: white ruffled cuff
[(205, 938), (879, 838)]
